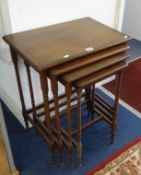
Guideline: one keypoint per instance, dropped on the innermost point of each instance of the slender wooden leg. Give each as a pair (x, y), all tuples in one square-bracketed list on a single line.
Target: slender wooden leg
[(88, 94), (79, 145), (15, 62), (31, 92), (54, 86), (93, 102), (68, 95), (115, 112), (44, 86)]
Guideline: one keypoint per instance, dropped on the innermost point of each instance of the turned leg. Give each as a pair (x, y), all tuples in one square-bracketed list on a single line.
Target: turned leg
[(15, 62), (88, 97), (31, 92), (44, 87), (92, 101), (115, 112), (54, 86), (79, 145), (69, 146)]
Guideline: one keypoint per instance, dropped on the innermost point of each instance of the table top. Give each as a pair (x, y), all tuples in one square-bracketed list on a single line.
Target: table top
[(93, 68), (100, 75), (49, 46), (87, 60)]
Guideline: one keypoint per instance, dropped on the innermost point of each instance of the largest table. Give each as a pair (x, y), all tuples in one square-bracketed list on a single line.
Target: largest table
[(66, 47)]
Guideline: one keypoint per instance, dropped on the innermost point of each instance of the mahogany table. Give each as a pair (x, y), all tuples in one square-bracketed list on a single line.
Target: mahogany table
[(77, 53)]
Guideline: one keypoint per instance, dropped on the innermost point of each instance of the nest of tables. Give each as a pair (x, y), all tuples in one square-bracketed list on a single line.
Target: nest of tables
[(78, 54)]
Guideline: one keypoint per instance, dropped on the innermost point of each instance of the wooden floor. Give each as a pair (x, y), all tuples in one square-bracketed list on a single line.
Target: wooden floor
[(4, 165)]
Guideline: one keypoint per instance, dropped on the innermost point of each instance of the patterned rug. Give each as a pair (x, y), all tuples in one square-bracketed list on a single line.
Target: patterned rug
[(127, 161), (31, 153)]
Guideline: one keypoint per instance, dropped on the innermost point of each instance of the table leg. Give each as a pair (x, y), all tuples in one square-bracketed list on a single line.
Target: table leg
[(92, 106), (44, 87), (88, 94), (31, 91), (15, 62), (70, 146), (115, 112), (54, 86), (79, 145)]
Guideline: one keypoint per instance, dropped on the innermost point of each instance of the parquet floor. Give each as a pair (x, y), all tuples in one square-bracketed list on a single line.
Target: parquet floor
[(4, 165)]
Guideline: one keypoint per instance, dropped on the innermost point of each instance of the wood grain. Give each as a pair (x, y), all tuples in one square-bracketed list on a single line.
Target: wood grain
[(46, 47), (83, 61), (92, 68), (4, 165)]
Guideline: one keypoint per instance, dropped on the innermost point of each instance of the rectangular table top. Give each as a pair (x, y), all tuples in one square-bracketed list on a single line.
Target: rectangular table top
[(49, 46), (87, 60), (86, 71)]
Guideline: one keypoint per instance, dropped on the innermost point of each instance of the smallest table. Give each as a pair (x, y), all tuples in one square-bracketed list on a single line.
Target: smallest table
[(85, 78)]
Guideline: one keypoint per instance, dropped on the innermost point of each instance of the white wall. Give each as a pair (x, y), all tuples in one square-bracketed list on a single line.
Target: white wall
[(132, 18), (27, 14)]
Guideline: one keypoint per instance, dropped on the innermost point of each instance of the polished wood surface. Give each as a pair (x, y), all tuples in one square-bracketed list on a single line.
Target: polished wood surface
[(88, 76), (49, 46), (100, 75), (15, 60), (78, 54), (89, 69), (83, 61)]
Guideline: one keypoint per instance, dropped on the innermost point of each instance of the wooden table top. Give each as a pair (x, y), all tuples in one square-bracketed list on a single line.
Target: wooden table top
[(46, 47), (93, 78), (87, 60), (93, 68)]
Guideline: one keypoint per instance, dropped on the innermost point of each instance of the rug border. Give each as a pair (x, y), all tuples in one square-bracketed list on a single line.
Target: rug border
[(105, 162)]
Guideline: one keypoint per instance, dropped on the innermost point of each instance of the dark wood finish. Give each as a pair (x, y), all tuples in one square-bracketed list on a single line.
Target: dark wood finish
[(46, 47), (39, 106), (86, 60), (15, 62), (102, 104), (31, 90), (79, 145), (44, 87), (90, 69), (99, 75), (70, 146), (78, 53), (105, 103), (87, 98), (54, 86), (86, 77), (88, 124), (92, 101), (117, 93)]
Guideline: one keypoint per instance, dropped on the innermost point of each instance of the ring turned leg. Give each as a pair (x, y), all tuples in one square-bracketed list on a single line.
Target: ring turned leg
[(44, 86), (118, 85), (54, 86), (92, 101), (88, 102), (15, 62), (79, 145), (31, 93), (70, 146)]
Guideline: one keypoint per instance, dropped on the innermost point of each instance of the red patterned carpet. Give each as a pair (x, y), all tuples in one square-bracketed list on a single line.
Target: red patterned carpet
[(131, 85), (126, 161)]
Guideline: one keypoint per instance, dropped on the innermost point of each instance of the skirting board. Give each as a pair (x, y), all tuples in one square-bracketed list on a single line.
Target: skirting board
[(12, 106)]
